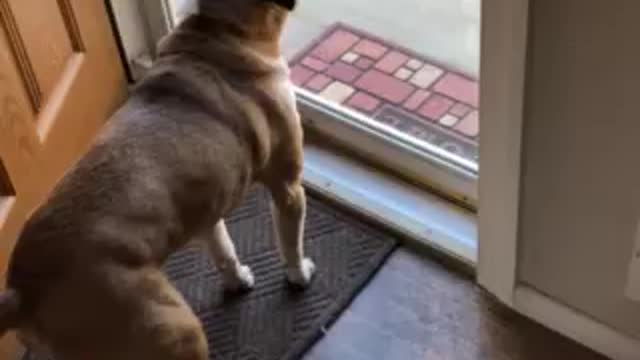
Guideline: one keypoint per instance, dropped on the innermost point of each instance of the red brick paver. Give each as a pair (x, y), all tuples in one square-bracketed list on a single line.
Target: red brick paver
[(343, 72), (470, 126), (370, 49), (436, 107), (364, 102), (416, 99), (460, 110), (392, 62), (364, 63), (385, 86), (335, 45), (315, 64), (300, 75), (318, 82), (460, 88)]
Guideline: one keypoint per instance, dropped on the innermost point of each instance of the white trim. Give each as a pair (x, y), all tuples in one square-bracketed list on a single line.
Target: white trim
[(159, 20), (503, 64), (416, 213), (575, 325), (132, 28)]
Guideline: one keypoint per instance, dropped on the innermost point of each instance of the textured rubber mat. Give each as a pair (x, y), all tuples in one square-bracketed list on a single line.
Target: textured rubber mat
[(273, 321)]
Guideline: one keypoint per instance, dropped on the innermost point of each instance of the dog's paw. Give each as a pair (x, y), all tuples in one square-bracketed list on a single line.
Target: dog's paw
[(241, 280), (301, 276)]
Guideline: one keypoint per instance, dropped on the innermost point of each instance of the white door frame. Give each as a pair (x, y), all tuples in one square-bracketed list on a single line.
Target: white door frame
[(502, 91), (503, 72)]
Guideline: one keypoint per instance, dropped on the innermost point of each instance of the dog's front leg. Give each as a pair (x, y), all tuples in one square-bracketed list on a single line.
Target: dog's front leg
[(289, 211), (235, 275)]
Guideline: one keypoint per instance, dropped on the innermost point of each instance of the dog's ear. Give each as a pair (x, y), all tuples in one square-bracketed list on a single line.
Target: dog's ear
[(288, 4)]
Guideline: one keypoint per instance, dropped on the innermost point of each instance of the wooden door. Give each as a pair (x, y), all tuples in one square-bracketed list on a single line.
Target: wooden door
[(60, 78)]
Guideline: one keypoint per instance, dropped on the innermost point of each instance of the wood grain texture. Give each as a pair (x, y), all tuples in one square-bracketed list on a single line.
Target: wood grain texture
[(6, 188), (35, 161), (47, 42), (417, 309), (71, 24), (60, 79), (19, 51)]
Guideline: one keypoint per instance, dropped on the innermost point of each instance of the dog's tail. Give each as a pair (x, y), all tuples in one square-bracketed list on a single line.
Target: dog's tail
[(9, 311)]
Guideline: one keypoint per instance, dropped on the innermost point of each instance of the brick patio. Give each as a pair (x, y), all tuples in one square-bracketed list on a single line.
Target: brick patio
[(393, 85)]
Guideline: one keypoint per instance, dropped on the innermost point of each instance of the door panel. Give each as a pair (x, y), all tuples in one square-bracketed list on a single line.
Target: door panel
[(48, 52), (60, 79), (6, 188)]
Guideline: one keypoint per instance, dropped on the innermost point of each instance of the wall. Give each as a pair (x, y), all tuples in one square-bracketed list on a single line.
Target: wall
[(580, 200)]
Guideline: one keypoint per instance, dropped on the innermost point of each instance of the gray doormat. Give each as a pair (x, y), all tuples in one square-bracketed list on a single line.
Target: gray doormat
[(273, 321)]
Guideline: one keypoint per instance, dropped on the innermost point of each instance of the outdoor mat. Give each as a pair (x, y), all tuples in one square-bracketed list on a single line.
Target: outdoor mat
[(393, 85), (274, 321)]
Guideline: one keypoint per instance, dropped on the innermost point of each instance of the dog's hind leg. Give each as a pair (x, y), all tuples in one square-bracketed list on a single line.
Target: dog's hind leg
[(169, 331), (289, 212), (235, 275), (122, 314)]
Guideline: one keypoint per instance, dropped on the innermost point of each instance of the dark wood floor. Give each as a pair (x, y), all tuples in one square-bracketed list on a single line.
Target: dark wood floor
[(417, 309)]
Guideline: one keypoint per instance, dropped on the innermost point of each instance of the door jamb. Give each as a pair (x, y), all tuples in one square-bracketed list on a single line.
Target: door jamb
[(502, 90)]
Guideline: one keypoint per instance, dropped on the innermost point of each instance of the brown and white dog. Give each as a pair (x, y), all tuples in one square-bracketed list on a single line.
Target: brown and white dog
[(215, 114)]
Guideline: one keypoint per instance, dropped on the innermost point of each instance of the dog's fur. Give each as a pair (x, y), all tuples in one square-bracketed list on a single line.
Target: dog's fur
[(215, 114)]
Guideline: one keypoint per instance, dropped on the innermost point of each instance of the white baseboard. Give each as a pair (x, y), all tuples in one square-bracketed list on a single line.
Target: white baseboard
[(575, 325)]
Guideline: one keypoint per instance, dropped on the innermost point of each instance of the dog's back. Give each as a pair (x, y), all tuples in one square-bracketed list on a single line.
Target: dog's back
[(175, 158), (171, 162), (162, 171)]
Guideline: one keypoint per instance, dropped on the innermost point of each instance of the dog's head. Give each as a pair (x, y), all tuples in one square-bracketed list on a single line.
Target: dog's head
[(264, 18), (287, 4)]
